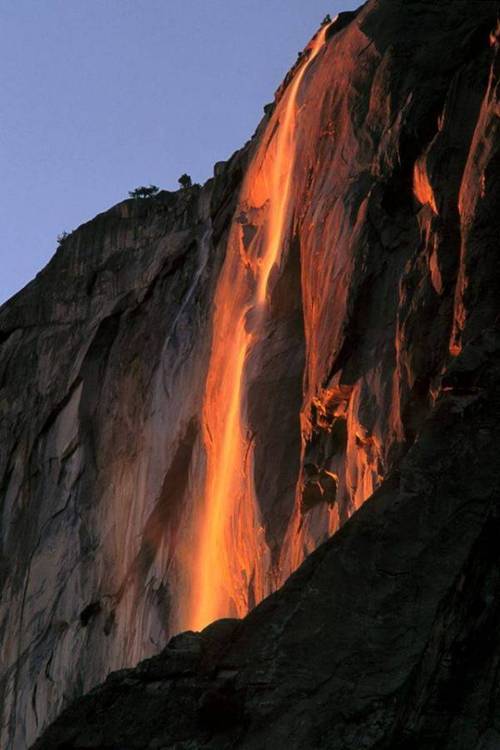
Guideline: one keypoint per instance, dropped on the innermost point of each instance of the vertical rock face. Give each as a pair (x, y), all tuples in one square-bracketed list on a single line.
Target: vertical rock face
[(376, 324), (388, 128), (102, 372)]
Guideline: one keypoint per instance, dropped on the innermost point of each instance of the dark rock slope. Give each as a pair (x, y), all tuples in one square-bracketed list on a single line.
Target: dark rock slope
[(376, 392)]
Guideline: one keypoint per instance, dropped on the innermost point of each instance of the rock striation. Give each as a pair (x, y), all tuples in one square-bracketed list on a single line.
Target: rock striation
[(371, 401)]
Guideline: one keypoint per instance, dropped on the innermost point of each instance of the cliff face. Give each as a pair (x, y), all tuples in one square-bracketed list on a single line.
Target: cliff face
[(200, 389), (102, 370)]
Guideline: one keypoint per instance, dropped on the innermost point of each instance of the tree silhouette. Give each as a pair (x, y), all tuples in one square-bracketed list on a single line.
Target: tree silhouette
[(144, 192), (185, 181)]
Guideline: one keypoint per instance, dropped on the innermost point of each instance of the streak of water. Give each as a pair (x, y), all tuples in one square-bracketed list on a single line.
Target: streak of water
[(231, 561)]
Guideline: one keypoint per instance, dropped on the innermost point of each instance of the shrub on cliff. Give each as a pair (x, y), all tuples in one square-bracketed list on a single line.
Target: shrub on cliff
[(185, 181), (144, 192), (61, 237)]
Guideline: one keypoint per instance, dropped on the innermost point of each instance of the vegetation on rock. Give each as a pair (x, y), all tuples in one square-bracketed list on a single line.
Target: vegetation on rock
[(144, 192), (185, 181)]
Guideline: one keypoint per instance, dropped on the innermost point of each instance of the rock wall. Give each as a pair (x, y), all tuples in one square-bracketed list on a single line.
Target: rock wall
[(102, 372), (381, 319)]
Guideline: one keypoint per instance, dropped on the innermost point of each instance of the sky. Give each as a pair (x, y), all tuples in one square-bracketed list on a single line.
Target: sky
[(100, 96)]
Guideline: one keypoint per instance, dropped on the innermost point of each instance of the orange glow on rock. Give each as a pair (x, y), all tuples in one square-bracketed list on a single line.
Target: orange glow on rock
[(230, 568), (422, 188)]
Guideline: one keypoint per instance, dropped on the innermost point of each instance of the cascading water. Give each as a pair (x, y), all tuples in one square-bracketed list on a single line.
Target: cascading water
[(230, 567)]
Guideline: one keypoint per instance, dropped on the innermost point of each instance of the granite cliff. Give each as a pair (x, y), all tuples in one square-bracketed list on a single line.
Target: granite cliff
[(297, 361)]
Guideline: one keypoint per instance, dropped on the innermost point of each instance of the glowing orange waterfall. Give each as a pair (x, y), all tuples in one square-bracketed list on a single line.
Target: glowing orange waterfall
[(231, 562)]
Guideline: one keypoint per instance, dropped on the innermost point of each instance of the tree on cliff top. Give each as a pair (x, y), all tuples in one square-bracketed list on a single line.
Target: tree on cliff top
[(144, 192), (62, 237), (185, 181)]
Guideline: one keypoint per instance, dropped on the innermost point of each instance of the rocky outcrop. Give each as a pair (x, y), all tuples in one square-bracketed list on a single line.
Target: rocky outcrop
[(374, 376)]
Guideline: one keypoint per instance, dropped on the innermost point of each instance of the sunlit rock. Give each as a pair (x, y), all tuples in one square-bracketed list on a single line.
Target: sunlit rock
[(203, 387)]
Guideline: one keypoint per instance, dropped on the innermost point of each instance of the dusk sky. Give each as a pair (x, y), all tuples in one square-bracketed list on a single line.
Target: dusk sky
[(100, 96)]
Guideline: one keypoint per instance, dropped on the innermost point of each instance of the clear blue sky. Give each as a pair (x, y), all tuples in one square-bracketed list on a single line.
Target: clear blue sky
[(99, 96)]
